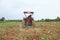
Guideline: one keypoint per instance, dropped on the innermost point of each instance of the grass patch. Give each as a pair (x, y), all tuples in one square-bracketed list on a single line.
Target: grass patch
[(45, 38), (5, 25)]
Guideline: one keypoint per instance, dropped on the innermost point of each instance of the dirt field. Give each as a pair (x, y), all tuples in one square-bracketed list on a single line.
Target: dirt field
[(41, 31)]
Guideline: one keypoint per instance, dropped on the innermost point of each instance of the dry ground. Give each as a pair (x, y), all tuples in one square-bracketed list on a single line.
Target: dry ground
[(41, 31)]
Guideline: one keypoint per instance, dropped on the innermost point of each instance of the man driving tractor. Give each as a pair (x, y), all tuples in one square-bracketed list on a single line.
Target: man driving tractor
[(28, 20)]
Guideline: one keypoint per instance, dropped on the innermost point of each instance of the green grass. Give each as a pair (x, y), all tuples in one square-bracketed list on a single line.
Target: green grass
[(5, 25), (45, 38)]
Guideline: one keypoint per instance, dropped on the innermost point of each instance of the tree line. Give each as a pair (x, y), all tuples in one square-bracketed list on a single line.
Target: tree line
[(42, 20), (50, 20), (3, 19)]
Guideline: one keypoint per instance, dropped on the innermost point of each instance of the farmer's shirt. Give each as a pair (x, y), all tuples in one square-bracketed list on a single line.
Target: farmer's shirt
[(28, 19)]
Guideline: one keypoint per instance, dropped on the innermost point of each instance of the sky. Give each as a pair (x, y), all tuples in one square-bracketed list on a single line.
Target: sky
[(13, 9)]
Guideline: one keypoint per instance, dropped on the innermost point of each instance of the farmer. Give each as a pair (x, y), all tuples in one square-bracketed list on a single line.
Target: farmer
[(28, 21)]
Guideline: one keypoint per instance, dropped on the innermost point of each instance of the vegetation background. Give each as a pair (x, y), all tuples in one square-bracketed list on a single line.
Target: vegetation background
[(45, 29)]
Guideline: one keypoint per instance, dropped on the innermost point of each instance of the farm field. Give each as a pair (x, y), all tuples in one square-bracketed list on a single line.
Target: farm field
[(41, 31)]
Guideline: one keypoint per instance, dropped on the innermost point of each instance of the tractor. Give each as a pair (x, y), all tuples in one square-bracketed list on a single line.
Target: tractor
[(28, 21)]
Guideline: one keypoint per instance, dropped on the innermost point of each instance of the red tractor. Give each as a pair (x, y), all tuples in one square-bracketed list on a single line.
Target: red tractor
[(28, 20)]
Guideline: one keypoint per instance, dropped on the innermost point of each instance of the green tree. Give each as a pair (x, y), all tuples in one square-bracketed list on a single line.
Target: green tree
[(57, 19), (3, 19), (42, 20), (47, 20)]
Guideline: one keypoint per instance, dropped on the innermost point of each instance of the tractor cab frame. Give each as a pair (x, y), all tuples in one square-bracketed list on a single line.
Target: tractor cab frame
[(25, 22)]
